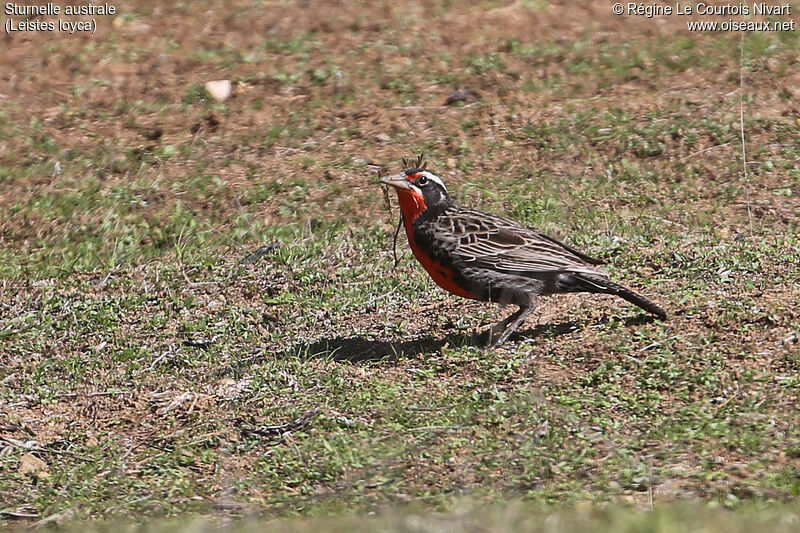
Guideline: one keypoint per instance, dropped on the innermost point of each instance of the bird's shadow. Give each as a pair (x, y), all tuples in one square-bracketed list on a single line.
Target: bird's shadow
[(360, 350), (557, 329), (638, 320)]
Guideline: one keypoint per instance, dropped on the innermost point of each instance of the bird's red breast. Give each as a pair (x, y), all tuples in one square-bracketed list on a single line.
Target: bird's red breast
[(412, 204)]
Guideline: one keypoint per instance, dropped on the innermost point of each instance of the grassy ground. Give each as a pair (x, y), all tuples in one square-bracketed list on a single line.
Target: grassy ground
[(512, 517), (138, 350)]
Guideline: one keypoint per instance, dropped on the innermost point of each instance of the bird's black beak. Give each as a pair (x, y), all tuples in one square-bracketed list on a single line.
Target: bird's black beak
[(398, 181)]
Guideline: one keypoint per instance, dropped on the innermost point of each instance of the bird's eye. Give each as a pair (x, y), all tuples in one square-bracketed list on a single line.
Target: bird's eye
[(422, 180)]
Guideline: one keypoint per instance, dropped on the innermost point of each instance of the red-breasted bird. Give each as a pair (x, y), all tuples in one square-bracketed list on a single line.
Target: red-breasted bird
[(486, 257)]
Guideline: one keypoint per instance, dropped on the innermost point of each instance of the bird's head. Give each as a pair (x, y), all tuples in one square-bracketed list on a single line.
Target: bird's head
[(418, 190)]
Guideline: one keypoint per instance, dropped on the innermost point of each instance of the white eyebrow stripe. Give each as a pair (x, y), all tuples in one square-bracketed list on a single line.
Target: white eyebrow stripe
[(434, 177)]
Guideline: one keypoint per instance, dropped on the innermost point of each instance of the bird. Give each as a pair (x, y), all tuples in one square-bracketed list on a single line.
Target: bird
[(490, 258)]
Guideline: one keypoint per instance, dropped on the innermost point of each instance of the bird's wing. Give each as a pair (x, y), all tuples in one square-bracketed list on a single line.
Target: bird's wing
[(490, 241)]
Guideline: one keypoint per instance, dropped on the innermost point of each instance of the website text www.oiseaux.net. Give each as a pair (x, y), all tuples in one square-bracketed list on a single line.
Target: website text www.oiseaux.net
[(740, 25)]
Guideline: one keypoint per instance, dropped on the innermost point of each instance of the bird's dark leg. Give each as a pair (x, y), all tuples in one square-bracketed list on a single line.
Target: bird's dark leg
[(509, 325)]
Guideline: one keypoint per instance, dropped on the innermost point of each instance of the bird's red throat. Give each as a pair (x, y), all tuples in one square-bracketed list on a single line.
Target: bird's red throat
[(412, 204)]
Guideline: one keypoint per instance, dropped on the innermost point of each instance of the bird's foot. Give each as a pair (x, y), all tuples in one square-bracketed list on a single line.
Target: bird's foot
[(491, 338)]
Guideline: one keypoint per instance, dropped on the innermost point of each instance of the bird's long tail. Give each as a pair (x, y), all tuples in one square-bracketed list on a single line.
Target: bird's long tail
[(581, 282)]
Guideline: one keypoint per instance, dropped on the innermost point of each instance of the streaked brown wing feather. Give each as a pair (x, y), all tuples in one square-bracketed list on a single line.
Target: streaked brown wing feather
[(490, 241), (587, 258)]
